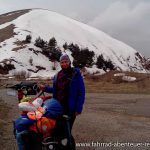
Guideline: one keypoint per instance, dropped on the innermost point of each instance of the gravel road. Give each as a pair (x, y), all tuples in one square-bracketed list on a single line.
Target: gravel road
[(108, 122)]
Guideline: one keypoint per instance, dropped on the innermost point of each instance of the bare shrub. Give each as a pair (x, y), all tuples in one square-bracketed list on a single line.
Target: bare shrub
[(53, 68), (19, 43), (21, 74), (31, 61), (6, 32)]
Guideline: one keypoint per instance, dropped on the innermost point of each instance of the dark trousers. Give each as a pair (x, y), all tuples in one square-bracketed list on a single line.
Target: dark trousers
[(71, 121)]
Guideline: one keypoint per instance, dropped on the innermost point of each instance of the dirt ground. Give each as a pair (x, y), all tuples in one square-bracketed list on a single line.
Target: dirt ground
[(114, 119), (108, 122)]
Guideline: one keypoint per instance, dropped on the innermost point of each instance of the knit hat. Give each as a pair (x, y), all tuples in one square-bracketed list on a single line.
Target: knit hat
[(65, 57)]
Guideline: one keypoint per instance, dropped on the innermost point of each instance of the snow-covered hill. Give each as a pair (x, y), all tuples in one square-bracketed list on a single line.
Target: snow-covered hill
[(47, 24)]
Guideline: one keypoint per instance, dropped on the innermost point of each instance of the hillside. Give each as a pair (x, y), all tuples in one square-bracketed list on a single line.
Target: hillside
[(47, 24)]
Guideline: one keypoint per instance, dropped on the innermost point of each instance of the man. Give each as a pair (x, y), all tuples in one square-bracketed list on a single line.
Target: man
[(68, 89)]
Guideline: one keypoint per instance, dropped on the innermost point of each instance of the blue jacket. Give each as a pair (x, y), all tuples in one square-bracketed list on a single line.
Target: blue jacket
[(23, 123), (76, 91)]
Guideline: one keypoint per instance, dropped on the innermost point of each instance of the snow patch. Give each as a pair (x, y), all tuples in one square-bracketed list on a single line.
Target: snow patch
[(128, 78)]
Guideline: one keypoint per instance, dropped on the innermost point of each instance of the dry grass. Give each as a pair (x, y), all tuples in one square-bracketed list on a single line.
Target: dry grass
[(105, 84), (99, 84), (12, 15), (7, 32)]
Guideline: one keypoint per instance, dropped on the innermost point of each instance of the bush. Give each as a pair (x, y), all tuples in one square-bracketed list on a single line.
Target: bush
[(53, 68), (40, 43), (31, 61), (4, 69), (28, 39)]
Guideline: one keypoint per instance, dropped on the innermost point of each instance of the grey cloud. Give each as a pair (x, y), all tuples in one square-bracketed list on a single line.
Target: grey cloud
[(126, 23)]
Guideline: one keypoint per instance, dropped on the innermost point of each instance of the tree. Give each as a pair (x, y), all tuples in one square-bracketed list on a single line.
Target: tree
[(82, 57), (87, 57), (65, 46), (55, 54), (74, 48), (109, 65), (103, 64), (52, 53), (75, 52), (100, 62), (40, 42), (52, 42)]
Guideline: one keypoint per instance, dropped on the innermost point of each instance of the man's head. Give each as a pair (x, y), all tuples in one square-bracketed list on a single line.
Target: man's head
[(65, 61)]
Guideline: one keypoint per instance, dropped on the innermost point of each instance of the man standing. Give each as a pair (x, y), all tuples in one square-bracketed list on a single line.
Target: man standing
[(68, 88)]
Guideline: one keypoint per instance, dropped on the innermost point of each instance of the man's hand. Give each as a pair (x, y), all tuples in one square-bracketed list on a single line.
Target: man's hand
[(41, 87)]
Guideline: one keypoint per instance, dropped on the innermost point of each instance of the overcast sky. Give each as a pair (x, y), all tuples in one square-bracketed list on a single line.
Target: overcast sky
[(125, 20)]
